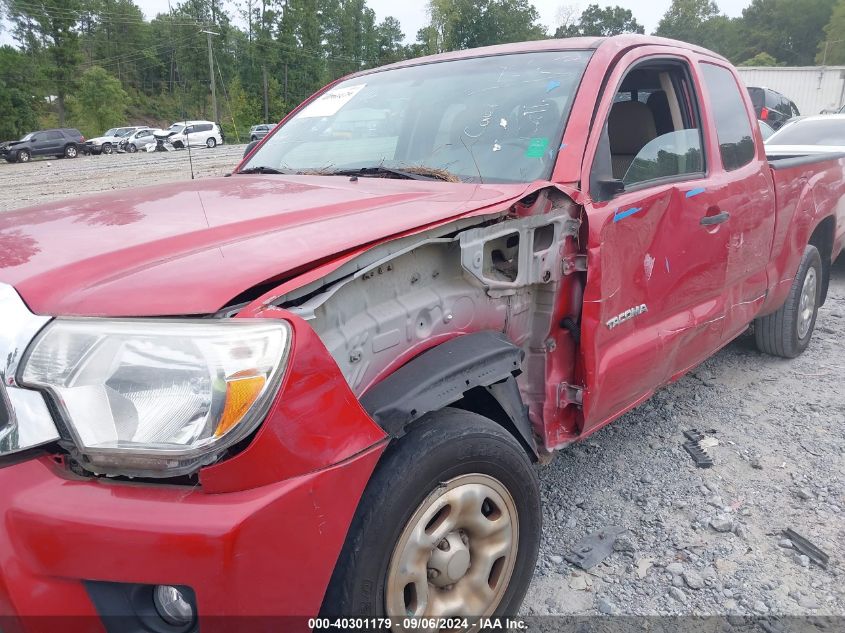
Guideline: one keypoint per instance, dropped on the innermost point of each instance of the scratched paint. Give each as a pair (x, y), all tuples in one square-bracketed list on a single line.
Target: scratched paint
[(648, 265), (666, 260), (621, 215), (694, 192)]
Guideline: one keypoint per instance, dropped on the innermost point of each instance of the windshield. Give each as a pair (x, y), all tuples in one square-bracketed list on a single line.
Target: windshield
[(817, 132), (176, 127), (111, 132), (124, 131), (488, 119), (28, 136)]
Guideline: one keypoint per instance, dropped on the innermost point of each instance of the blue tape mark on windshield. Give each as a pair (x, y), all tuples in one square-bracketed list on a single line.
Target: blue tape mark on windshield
[(695, 192), (553, 83), (621, 215)]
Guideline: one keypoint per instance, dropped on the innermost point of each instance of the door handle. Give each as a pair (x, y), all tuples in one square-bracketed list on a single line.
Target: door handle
[(709, 220)]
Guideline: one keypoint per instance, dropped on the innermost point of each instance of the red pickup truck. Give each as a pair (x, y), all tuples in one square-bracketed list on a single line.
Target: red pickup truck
[(317, 387)]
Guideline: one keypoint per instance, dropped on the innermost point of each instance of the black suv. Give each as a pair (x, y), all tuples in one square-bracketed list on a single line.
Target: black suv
[(67, 142), (772, 107)]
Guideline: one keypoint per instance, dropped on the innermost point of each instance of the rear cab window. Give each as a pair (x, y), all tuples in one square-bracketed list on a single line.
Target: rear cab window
[(733, 126)]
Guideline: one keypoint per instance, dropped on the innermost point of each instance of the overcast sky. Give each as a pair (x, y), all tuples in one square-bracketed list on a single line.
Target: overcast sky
[(412, 13)]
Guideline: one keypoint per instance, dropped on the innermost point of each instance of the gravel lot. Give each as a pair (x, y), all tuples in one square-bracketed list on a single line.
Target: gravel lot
[(696, 541), (54, 179)]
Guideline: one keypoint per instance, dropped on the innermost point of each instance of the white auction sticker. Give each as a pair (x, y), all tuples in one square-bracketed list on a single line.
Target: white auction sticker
[(328, 103)]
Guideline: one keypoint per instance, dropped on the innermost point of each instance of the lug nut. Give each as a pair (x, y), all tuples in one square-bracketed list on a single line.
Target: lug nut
[(432, 573), (443, 545)]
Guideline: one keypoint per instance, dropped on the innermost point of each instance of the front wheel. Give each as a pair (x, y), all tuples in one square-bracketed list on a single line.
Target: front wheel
[(107, 148), (448, 526), (787, 332), (24, 156), (131, 148), (71, 151), (211, 142)]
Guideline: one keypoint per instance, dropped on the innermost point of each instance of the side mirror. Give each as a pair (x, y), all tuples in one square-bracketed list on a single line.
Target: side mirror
[(611, 187), (250, 146)]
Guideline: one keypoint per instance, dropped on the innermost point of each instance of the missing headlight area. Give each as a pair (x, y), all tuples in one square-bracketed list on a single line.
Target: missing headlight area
[(398, 299)]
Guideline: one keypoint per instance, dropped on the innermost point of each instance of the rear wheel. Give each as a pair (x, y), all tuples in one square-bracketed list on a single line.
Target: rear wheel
[(449, 525), (253, 138), (24, 155), (211, 142), (787, 332), (71, 151), (107, 148)]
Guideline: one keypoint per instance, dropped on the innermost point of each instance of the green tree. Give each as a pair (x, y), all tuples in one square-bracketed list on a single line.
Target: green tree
[(760, 59), (459, 24), (390, 37), (832, 47), (100, 102), (50, 25), (790, 30), (598, 21), (684, 19), (19, 103)]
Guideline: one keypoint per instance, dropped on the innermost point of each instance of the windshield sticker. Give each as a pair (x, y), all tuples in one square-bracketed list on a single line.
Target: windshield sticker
[(536, 147), (329, 103), (552, 85)]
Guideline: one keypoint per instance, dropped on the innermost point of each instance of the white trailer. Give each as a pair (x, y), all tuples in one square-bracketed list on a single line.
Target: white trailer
[(812, 88)]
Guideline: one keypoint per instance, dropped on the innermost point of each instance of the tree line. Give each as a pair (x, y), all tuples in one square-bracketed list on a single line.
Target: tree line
[(95, 64)]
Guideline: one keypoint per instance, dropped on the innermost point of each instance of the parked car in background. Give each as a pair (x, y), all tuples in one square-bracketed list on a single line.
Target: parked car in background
[(257, 132), (766, 130), (138, 140), (819, 134), (59, 142), (772, 107), (109, 142), (197, 133)]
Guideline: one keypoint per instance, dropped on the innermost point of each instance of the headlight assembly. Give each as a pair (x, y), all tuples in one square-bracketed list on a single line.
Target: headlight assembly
[(157, 398)]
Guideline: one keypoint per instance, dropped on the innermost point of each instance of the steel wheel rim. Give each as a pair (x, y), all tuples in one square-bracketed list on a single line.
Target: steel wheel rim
[(107, 149), (71, 152), (807, 302), (25, 157), (476, 517)]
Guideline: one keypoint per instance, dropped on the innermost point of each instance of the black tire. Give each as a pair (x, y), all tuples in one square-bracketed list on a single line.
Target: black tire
[(107, 148), (71, 151), (131, 148), (24, 156), (779, 333), (253, 138), (211, 142), (438, 448)]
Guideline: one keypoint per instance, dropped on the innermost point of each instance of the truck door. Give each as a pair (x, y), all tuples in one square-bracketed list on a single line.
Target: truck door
[(741, 180), (653, 303)]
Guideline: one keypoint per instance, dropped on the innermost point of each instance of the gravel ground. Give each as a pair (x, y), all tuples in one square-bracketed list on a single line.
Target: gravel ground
[(695, 541), (44, 180)]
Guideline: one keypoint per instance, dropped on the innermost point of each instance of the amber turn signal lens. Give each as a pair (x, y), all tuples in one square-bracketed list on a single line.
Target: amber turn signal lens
[(241, 393)]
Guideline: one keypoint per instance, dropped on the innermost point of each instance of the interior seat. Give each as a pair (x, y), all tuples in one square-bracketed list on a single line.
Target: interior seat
[(630, 127)]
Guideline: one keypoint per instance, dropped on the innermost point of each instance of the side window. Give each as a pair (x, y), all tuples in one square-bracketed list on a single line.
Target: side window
[(203, 127), (733, 128), (794, 109), (53, 136), (653, 130)]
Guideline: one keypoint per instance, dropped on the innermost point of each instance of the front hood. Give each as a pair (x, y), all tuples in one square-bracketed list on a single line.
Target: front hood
[(189, 248), (99, 140)]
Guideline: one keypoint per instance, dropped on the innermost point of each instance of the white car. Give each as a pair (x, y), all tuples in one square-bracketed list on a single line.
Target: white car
[(819, 134), (139, 139), (108, 142), (197, 133)]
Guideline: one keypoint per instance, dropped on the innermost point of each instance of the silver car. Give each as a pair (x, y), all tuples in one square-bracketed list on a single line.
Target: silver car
[(257, 132)]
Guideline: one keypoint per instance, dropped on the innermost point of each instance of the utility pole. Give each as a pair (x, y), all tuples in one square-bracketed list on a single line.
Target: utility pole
[(211, 74), (286, 87), (266, 100)]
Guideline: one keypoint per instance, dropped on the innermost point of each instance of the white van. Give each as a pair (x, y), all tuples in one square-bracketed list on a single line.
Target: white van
[(197, 133)]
